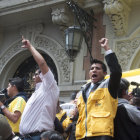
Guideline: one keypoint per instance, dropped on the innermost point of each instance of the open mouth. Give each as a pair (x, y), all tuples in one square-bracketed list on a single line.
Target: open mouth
[(94, 76)]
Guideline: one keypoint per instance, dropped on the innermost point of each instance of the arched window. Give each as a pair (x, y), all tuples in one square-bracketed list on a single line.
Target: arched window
[(27, 69)]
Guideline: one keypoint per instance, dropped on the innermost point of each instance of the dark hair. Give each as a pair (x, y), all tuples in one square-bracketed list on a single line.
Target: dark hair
[(124, 85), (73, 95), (39, 71), (94, 61), (18, 82), (51, 135)]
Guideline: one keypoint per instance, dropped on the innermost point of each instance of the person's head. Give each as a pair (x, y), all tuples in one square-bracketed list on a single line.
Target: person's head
[(36, 77), (58, 107), (5, 129), (136, 101), (15, 86), (136, 92), (97, 71), (73, 96), (77, 96), (73, 112), (123, 89), (135, 97), (51, 135)]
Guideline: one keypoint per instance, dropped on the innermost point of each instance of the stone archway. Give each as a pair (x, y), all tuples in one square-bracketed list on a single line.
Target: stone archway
[(128, 51), (27, 69), (136, 61), (15, 55)]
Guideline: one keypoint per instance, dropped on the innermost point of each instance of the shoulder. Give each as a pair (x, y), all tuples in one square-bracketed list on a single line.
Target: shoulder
[(19, 99), (46, 75)]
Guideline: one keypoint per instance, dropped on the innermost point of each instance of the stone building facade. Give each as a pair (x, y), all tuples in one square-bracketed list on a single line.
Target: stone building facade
[(43, 22)]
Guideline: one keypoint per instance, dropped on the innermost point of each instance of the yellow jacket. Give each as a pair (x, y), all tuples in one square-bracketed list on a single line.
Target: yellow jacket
[(60, 114), (18, 104), (96, 116)]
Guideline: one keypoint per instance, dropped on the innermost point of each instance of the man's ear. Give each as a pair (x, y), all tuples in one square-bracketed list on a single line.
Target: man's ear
[(15, 88)]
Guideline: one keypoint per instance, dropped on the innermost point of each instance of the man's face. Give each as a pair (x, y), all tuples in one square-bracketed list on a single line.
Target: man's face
[(10, 90), (36, 78), (96, 73)]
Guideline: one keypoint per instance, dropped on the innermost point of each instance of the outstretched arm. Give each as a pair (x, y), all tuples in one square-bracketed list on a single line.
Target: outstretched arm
[(114, 67), (104, 44), (37, 56)]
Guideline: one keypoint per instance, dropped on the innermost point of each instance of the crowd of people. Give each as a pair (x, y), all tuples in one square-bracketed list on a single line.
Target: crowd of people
[(101, 110)]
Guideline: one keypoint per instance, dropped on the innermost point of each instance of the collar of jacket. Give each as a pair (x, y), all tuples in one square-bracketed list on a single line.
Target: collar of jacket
[(85, 87)]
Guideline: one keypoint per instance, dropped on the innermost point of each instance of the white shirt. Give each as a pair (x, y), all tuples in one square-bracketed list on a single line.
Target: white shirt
[(89, 90), (40, 110)]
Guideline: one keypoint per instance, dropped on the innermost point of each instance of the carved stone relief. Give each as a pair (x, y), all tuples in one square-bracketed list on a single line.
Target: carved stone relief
[(58, 53), (125, 50), (118, 11), (43, 43), (60, 15), (31, 30), (12, 51)]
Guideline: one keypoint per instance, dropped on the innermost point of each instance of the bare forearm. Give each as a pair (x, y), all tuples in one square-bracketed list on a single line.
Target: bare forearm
[(39, 59), (37, 56), (11, 116)]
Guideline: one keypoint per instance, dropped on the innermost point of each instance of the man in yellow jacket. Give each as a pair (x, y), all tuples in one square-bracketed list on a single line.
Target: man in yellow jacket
[(97, 104), (14, 106)]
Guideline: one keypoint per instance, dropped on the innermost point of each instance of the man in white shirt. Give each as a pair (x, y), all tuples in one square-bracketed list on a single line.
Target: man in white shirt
[(40, 110)]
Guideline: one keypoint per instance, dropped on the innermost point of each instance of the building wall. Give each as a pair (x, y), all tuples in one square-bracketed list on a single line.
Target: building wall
[(122, 28), (43, 22)]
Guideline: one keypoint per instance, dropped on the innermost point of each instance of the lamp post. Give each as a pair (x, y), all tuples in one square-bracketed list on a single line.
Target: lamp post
[(74, 39), (74, 34)]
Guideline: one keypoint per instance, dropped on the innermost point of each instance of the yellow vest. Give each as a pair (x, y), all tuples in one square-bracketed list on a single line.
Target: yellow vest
[(96, 116)]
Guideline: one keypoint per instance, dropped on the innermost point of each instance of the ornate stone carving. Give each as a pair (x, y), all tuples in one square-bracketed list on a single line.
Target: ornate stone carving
[(125, 50), (60, 15), (31, 30), (59, 55), (118, 11), (12, 51), (48, 45)]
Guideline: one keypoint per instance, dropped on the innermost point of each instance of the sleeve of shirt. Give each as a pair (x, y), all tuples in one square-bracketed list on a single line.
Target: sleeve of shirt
[(133, 113), (115, 73), (19, 104), (108, 52), (49, 83), (48, 78)]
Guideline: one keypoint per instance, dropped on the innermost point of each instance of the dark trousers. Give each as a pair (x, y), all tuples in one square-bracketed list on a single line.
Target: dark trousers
[(98, 138)]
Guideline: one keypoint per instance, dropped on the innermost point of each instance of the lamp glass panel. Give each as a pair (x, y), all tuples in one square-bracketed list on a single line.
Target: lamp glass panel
[(70, 39), (77, 40)]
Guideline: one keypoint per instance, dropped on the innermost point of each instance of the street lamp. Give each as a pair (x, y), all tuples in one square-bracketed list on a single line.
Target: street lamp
[(74, 35), (74, 39)]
